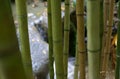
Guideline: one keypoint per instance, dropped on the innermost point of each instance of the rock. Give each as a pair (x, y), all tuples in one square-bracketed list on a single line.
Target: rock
[(42, 26), (42, 31), (40, 23), (39, 53), (34, 5), (71, 63), (30, 14)]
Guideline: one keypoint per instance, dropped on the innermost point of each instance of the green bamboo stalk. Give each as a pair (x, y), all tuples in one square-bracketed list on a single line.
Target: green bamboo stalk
[(117, 68), (11, 66), (57, 38), (24, 37), (51, 58), (93, 32), (66, 37), (80, 35), (76, 69), (101, 30), (101, 23), (108, 39)]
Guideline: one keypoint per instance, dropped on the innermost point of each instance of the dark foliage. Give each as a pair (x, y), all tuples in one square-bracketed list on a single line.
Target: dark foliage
[(13, 1)]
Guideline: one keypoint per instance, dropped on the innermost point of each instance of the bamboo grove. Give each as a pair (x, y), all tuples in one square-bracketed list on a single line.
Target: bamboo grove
[(92, 58)]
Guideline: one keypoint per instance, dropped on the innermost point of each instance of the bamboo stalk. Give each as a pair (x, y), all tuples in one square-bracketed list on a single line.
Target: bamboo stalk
[(66, 37), (11, 66), (93, 32), (101, 23), (24, 37), (76, 69), (117, 68), (51, 58), (108, 39), (57, 38), (101, 31), (80, 35), (105, 13)]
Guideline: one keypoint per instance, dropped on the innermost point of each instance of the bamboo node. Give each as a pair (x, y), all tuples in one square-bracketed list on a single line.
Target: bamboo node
[(80, 14), (81, 51), (109, 26), (57, 41), (107, 3), (59, 74), (22, 16), (67, 30), (93, 51)]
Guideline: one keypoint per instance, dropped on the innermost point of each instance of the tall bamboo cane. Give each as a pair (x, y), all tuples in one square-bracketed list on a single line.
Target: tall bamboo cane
[(101, 23), (105, 13), (117, 70), (80, 35), (93, 8), (101, 31), (24, 38), (108, 39), (66, 37), (57, 38), (76, 69), (51, 58), (11, 66)]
